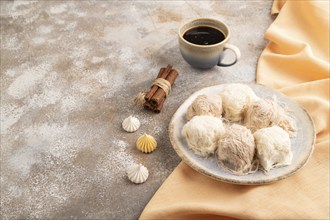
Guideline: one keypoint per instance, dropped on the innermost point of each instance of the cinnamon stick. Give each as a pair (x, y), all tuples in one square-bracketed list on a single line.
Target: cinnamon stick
[(148, 106), (163, 73), (159, 95), (153, 89), (159, 107)]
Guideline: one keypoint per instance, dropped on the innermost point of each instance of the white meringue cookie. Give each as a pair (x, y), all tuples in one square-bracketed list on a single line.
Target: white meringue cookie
[(137, 173), (131, 124)]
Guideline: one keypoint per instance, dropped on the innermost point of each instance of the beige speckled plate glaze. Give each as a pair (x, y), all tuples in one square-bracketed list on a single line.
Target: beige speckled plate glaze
[(302, 145)]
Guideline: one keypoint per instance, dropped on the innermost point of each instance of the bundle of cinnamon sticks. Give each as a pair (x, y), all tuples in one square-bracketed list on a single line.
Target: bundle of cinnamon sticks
[(155, 98)]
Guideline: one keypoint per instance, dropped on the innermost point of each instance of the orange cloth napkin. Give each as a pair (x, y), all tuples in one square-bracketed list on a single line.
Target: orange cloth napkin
[(296, 62)]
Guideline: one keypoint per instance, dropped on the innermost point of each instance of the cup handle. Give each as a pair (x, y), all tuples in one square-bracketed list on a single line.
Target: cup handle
[(236, 51)]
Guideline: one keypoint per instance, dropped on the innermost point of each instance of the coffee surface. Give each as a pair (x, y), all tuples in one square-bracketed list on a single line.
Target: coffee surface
[(204, 35)]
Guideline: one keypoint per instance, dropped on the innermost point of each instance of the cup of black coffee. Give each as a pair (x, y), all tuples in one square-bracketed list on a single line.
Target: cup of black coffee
[(202, 42)]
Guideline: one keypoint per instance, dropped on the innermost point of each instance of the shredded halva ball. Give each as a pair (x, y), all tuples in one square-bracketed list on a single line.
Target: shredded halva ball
[(235, 98), (202, 134), (266, 113), (236, 150), (205, 105), (273, 147)]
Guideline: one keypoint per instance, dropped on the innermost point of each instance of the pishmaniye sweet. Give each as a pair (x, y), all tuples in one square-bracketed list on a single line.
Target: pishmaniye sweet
[(244, 132), (264, 113), (235, 98), (202, 133), (205, 105), (273, 147), (236, 150)]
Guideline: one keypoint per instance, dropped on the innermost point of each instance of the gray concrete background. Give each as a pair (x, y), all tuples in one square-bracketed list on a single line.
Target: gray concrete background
[(69, 73)]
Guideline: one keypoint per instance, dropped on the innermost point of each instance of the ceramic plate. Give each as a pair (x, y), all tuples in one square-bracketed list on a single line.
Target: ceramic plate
[(302, 145)]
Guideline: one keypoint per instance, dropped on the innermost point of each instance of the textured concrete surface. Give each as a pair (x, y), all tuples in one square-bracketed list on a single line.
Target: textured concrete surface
[(69, 74)]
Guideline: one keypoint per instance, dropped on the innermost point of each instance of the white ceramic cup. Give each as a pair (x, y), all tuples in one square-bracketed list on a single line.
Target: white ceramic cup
[(206, 56)]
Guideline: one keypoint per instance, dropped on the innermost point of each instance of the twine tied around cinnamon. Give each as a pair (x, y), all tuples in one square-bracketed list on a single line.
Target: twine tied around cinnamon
[(163, 84)]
